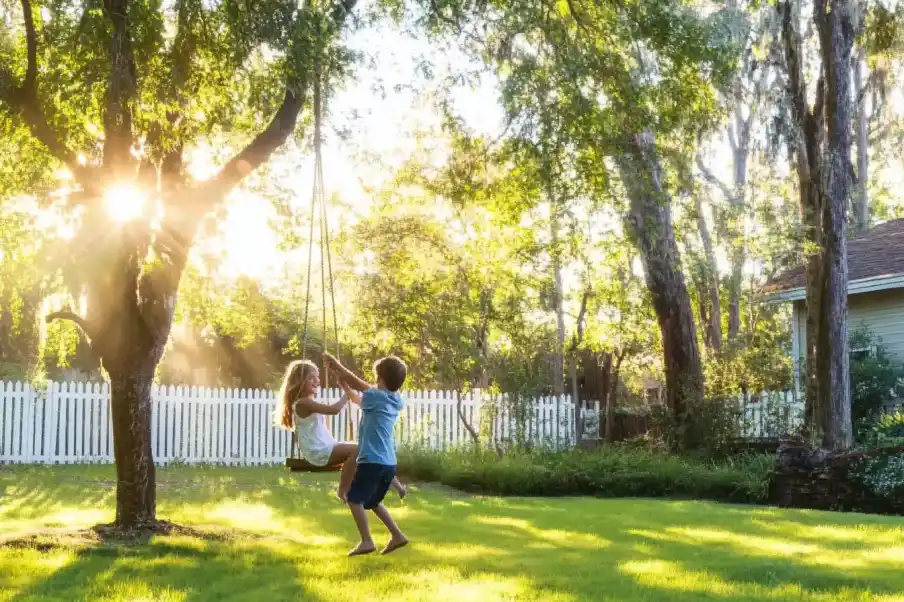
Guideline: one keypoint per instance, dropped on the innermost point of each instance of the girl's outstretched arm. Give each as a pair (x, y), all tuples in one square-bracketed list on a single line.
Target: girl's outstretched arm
[(330, 409)]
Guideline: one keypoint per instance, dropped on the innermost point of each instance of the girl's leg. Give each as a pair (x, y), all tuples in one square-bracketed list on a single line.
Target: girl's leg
[(345, 454), (399, 488)]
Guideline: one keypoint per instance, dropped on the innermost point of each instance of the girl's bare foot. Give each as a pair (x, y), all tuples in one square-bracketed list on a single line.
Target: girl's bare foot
[(394, 544), (363, 548)]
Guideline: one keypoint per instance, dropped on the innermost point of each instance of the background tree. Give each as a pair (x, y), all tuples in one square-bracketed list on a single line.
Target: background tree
[(630, 80), (823, 135)]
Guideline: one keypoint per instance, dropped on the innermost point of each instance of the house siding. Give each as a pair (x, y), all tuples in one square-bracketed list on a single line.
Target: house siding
[(881, 312)]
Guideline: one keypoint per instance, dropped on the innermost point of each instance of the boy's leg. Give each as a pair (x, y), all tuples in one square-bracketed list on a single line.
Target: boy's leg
[(398, 538), (366, 546), (364, 484)]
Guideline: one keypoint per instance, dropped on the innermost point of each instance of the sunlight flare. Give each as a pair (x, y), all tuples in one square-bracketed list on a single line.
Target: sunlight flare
[(124, 202)]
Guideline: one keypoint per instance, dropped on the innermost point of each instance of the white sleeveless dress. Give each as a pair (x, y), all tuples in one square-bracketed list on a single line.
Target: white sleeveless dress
[(314, 439)]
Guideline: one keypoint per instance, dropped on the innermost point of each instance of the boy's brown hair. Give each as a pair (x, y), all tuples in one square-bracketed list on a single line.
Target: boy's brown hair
[(392, 371)]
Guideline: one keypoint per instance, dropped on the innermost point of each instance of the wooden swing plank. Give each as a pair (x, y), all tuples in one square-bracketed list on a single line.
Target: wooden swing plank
[(302, 465)]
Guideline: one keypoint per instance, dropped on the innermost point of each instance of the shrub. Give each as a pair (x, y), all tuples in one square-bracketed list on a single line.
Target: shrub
[(874, 378), (707, 430), (883, 476), (611, 471), (888, 431)]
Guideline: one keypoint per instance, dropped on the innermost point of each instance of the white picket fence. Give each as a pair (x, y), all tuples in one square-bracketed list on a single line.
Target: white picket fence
[(68, 423), (770, 414)]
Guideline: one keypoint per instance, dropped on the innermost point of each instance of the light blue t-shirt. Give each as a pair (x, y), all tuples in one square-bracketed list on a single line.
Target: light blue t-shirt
[(380, 409)]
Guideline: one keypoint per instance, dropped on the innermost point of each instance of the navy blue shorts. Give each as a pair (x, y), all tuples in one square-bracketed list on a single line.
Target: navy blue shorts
[(370, 484)]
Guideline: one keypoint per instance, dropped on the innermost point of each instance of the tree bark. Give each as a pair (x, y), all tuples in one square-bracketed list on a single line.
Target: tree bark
[(611, 395), (606, 401), (835, 22), (475, 437), (712, 321), (861, 198), (575, 393), (558, 376), (808, 142), (576, 341), (734, 292), (735, 229), (136, 502), (649, 224)]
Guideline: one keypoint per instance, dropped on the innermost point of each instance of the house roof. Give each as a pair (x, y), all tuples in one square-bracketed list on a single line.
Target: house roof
[(876, 256)]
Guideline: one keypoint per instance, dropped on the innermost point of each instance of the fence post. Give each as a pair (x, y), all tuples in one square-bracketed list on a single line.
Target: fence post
[(28, 414)]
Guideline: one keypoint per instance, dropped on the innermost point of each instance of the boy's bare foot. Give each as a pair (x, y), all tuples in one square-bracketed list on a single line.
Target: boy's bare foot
[(394, 544), (363, 548)]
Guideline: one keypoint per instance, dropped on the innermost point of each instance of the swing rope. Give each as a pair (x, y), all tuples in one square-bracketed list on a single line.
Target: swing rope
[(318, 203)]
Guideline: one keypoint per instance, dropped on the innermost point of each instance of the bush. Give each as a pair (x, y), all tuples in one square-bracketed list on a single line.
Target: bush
[(874, 378), (707, 430), (888, 431), (611, 471), (882, 475)]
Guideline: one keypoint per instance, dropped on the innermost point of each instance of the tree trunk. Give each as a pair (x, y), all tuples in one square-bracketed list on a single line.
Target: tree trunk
[(734, 293), (812, 418), (558, 376), (612, 394), (712, 321), (578, 421), (836, 32), (736, 229), (808, 143), (475, 436), (649, 224), (606, 400), (861, 198), (135, 475)]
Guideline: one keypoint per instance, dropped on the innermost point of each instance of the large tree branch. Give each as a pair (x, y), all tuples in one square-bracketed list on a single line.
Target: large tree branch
[(274, 135), (24, 100), (76, 319), (120, 88), (794, 67), (713, 179), (169, 159), (578, 337), (344, 8), (31, 44), (259, 150)]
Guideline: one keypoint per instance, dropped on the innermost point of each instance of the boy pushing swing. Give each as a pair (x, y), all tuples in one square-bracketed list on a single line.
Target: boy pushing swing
[(376, 467)]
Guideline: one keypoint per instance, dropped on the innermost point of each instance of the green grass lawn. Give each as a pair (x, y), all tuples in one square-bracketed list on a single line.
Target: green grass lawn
[(280, 536)]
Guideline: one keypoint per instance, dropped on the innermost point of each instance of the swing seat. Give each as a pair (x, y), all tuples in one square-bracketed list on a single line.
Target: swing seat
[(299, 464), (302, 465)]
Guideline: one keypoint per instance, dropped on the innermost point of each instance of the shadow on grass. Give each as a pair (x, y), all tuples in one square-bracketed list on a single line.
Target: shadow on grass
[(171, 568), (464, 547)]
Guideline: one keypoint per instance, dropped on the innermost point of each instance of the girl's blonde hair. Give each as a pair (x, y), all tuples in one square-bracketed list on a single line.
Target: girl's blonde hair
[(297, 372)]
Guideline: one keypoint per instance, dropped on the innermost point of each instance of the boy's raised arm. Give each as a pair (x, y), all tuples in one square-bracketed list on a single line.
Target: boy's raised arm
[(352, 395), (347, 375)]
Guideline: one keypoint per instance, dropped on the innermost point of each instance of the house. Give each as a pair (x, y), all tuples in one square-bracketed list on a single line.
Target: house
[(875, 290)]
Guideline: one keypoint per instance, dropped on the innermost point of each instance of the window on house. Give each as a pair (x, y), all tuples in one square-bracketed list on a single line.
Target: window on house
[(861, 353)]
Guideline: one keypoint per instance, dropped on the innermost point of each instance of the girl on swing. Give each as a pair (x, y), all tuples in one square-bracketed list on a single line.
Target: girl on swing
[(301, 413)]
